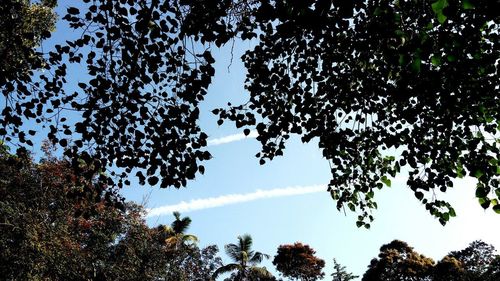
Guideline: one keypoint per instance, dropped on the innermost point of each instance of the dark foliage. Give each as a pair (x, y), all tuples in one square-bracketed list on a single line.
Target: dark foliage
[(398, 261), (298, 261), (47, 233), (384, 86), (399, 86), (340, 273)]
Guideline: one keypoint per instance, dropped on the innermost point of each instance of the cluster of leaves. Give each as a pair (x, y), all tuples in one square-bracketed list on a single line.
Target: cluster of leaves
[(383, 85), (298, 261), (23, 26), (245, 262), (48, 233), (340, 273), (137, 96), (398, 261), (398, 85)]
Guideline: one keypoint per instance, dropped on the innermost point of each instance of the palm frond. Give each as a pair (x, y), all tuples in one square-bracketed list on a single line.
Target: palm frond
[(189, 238), (245, 242), (180, 225), (233, 251), (260, 272), (225, 269), (258, 257)]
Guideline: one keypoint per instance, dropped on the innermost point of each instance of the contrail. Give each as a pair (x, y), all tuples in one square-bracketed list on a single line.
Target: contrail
[(232, 138), (212, 202)]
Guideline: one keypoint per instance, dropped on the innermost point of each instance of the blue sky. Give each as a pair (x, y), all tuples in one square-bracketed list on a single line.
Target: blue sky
[(275, 217)]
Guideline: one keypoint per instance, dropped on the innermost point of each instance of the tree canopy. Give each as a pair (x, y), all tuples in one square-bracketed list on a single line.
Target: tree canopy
[(398, 261), (245, 262), (48, 233), (385, 86), (298, 261)]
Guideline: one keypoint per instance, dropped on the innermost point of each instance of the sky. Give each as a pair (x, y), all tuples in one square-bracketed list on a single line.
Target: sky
[(285, 200)]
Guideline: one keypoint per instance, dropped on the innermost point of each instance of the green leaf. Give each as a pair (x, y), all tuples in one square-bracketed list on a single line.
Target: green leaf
[(386, 181), (436, 61), (484, 202), (452, 212), (496, 208), (402, 59), (370, 195), (451, 58), (351, 206), (478, 174), (438, 8), (467, 5), (415, 65), (446, 217), (480, 192)]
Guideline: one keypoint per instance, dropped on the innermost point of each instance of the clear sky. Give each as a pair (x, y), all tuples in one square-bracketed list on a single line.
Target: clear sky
[(283, 202)]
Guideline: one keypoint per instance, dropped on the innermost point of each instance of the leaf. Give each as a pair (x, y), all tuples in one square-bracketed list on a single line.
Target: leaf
[(415, 65), (484, 202), (386, 181), (452, 212), (73, 11), (402, 59), (480, 192), (419, 195), (446, 216), (436, 61), (351, 207), (438, 8), (496, 208), (478, 174), (153, 180), (467, 5)]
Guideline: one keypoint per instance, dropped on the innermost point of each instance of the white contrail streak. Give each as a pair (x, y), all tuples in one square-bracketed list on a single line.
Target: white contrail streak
[(212, 202), (232, 138)]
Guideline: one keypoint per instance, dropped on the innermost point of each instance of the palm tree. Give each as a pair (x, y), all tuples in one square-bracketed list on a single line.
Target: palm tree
[(175, 234), (244, 260)]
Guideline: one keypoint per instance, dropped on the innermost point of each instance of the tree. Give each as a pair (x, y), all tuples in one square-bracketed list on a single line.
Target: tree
[(475, 261), (383, 85), (181, 246), (449, 269), (175, 234), (49, 230), (297, 261), (340, 273), (394, 87), (493, 272), (23, 26), (245, 261), (399, 262)]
